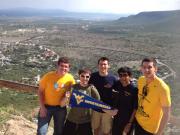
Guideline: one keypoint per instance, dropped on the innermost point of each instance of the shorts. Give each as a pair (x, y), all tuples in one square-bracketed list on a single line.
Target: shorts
[(102, 121)]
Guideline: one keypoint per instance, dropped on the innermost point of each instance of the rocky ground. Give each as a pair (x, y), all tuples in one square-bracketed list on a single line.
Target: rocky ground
[(18, 125)]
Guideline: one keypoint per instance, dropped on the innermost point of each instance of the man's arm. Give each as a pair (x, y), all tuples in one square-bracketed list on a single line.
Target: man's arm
[(129, 124), (164, 120), (94, 92), (43, 110)]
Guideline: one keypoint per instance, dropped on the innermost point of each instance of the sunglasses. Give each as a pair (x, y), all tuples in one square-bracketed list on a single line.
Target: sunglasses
[(85, 76), (145, 91), (123, 75)]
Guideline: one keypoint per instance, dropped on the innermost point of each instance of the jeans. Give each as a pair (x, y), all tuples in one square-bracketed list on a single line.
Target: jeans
[(140, 131), (58, 114), (118, 127)]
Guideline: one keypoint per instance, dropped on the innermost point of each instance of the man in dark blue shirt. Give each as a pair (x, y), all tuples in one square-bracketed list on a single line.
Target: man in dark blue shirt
[(103, 81)]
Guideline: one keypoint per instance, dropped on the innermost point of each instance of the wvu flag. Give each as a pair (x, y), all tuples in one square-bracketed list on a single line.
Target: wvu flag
[(79, 99)]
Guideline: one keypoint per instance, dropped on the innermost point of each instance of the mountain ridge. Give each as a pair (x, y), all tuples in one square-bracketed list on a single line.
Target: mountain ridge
[(29, 12), (155, 21)]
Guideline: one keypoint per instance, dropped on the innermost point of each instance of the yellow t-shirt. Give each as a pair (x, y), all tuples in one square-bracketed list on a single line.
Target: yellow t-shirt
[(149, 111), (54, 87)]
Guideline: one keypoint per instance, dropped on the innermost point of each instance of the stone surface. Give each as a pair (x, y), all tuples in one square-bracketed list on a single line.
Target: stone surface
[(18, 125)]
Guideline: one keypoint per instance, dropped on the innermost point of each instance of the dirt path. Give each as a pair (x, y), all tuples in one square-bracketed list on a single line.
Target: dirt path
[(172, 72)]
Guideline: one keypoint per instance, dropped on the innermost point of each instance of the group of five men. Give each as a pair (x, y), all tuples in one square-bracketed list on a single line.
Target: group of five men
[(145, 108)]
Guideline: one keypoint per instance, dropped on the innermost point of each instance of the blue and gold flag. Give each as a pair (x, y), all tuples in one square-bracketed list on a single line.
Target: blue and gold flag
[(79, 99)]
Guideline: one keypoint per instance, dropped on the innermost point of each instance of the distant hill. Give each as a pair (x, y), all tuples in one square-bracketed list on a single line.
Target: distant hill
[(155, 21), (25, 12), (29, 12)]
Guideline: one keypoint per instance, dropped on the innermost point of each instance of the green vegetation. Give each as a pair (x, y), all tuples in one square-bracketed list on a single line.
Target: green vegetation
[(16, 103)]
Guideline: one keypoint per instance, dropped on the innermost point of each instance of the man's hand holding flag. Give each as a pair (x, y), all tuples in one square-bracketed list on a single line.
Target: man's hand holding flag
[(79, 99)]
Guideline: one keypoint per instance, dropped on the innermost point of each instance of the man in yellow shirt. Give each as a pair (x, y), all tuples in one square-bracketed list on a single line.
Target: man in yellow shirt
[(154, 101), (52, 88)]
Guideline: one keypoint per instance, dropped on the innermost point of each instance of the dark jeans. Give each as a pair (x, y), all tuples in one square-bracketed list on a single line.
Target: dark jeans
[(119, 125), (140, 131), (71, 128), (58, 114)]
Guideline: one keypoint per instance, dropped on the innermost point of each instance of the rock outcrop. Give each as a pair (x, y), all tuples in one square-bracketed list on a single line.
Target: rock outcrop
[(18, 125)]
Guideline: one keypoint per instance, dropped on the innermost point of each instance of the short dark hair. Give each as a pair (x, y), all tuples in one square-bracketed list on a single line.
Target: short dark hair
[(84, 70), (125, 70), (103, 59), (149, 60), (63, 60)]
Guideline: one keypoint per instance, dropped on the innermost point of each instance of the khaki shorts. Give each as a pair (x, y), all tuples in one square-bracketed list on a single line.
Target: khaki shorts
[(103, 121)]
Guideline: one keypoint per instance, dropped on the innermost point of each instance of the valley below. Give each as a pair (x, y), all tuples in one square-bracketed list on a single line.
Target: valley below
[(30, 47)]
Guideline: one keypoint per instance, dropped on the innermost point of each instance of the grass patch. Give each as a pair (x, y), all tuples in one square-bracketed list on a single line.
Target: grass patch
[(16, 103)]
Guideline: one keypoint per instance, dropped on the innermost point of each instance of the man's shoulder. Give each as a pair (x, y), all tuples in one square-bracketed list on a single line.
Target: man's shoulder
[(161, 83), (47, 76), (69, 75), (141, 79), (133, 87), (91, 86), (95, 74), (112, 75), (51, 73)]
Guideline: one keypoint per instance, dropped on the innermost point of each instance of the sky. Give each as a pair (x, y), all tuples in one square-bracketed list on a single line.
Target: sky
[(101, 6)]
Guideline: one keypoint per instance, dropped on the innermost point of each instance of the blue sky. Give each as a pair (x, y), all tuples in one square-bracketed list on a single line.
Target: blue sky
[(102, 6)]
